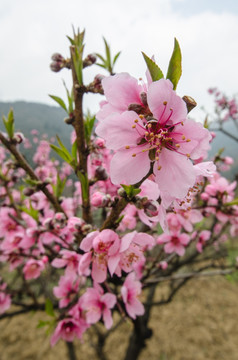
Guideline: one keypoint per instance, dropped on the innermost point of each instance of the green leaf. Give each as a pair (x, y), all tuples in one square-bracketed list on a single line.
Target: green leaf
[(61, 153), (49, 309), (74, 151), (59, 186), (31, 211), (130, 190), (155, 72), (89, 124), (9, 123), (175, 65), (59, 101), (231, 203), (84, 185), (108, 54), (116, 57), (42, 323)]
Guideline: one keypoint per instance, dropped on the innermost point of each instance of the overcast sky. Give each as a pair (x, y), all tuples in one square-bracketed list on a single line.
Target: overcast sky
[(31, 30)]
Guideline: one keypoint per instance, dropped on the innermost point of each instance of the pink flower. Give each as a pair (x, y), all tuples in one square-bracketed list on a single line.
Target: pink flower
[(66, 289), (105, 246), (157, 133), (97, 304), (202, 238), (174, 242), (33, 269), (67, 330), (5, 299), (70, 259), (130, 291)]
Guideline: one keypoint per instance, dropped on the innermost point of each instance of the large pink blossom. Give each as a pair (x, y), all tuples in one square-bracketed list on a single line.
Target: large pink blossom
[(97, 304), (155, 132)]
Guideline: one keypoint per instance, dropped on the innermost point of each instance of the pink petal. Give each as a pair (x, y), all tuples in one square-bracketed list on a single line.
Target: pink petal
[(126, 169), (117, 130), (161, 91), (176, 175)]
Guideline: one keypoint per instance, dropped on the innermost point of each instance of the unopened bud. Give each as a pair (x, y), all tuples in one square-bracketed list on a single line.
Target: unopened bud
[(121, 192), (100, 173), (86, 228), (28, 191), (190, 102), (150, 208), (57, 57), (18, 138), (90, 60), (56, 66)]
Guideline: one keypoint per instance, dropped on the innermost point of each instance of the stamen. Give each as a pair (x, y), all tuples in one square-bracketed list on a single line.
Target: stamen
[(141, 116), (177, 146), (133, 155), (127, 147), (136, 120), (183, 137), (133, 126), (159, 167), (188, 140), (188, 155)]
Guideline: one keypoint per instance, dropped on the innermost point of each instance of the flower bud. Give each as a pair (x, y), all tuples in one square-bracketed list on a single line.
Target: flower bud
[(100, 173), (18, 138), (57, 57), (56, 66), (151, 208), (90, 60)]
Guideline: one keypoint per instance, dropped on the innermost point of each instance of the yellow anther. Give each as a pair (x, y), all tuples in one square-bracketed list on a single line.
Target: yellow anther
[(183, 137), (151, 134), (146, 133), (127, 147), (156, 158), (182, 123), (159, 167), (149, 126), (133, 126), (177, 145), (141, 116), (165, 102), (188, 155), (133, 155), (188, 140)]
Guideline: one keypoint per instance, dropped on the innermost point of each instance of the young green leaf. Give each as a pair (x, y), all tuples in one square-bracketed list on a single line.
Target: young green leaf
[(155, 72), (175, 65), (59, 101), (49, 309)]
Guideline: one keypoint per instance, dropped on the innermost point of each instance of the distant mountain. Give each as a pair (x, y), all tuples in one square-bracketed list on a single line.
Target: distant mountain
[(46, 119), (49, 120)]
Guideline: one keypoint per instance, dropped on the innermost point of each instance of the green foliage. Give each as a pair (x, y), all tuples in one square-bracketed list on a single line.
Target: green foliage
[(89, 124), (155, 71), (77, 54), (9, 123), (59, 101), (107, 62), (175, 65), (64, 153), (130, 190), (58, 188), (231, 203), (49, 309), (84, 184), (31, 211)]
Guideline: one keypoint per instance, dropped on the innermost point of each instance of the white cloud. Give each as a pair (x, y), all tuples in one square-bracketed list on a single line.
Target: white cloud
[(30, 31)]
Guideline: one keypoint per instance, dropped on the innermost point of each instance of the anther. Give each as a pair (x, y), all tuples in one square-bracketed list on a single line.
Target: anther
[(188, 140), (183, 137), (159, 167), (165, 102), (133, 155), (177, 145), (182, 123), (136, 120), (141, 116), (188, 155), (133, 126), (127, 147)]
